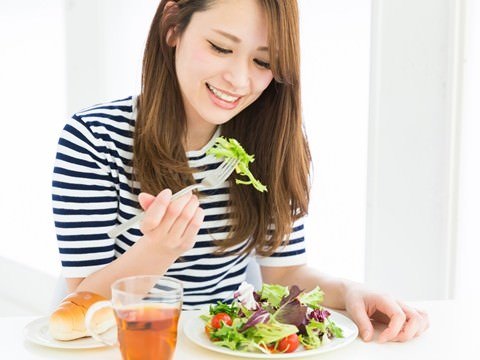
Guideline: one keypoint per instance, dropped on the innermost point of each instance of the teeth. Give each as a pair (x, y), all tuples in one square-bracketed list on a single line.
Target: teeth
[(222, 95)]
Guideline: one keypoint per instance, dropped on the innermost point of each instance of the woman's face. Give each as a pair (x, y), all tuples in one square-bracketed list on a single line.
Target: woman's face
[(222, 61)]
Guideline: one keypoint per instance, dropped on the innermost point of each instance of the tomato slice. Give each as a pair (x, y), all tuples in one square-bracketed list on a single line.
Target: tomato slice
[(288, 344), (220, 318)]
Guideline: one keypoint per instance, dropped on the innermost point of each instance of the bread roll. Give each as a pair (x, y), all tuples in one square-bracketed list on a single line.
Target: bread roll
[(68, 321)]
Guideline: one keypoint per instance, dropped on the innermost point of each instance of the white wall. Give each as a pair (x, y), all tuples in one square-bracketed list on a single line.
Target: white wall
[(468, 267), (33, 102), (105, 41), (412, 148), (335, 84)]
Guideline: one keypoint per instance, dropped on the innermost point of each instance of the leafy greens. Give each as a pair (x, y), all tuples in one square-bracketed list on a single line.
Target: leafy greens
[(278, 312), (231, 148)]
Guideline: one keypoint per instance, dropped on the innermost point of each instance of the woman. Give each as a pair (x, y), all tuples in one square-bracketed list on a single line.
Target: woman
[(211, 67)]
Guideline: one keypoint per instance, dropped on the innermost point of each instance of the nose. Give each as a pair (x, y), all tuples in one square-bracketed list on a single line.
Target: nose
[(238, 75)]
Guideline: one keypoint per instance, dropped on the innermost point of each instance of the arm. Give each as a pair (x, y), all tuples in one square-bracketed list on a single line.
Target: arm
[(307, 278), (126, 265), (169, 230)]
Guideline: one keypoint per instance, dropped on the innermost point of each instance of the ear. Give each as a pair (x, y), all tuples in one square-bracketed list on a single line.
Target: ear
[(171, 37), (170, 9)]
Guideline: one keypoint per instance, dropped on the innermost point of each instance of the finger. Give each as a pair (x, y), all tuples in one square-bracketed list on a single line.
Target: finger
[(179, 226), (359, 314), (412, 325), (173, 211), (156, 210), (145, 200), (421, 318), (397, 320), (191, 231), (425, 322)]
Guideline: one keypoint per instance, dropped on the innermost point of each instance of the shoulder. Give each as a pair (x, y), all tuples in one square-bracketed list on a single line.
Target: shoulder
[(109, 119), (126, 106)]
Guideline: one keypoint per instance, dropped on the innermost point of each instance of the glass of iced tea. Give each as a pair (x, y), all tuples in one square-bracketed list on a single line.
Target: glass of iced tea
[(147, 309)]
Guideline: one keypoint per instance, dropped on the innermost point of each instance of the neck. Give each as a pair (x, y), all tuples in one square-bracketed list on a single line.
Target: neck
[(198, 137)]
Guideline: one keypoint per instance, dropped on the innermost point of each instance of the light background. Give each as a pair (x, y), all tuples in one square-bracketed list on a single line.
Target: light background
[(58, 56)]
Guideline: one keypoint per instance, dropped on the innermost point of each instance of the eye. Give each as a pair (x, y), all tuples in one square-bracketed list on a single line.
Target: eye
[(219, 49), (262, 63)]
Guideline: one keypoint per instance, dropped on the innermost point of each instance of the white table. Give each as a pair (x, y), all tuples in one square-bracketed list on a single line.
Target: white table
[(453, 334)]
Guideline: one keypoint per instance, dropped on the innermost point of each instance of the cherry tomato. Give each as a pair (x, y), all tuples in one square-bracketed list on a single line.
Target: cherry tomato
[(288, 344), (219, 318)]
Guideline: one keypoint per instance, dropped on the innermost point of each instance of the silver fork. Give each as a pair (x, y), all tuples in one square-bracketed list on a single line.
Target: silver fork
[(215, 178)]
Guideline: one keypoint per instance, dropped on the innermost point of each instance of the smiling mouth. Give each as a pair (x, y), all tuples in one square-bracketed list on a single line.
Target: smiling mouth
[(221, 95)]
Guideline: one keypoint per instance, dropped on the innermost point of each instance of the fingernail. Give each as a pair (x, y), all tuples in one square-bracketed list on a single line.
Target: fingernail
[(367, 335), (166, 194)]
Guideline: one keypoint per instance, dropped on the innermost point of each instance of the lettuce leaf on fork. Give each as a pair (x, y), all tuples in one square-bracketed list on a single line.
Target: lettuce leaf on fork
[(231, 148)]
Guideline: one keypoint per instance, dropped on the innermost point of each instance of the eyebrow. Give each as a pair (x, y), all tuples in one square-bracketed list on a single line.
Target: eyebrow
[(236, 39)]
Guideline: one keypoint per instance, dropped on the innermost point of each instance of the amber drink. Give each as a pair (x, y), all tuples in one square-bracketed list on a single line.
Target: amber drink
[(147, 309), (147, 331)]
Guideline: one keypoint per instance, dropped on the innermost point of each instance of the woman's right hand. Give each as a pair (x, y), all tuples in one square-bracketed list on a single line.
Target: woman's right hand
[(170, 227)]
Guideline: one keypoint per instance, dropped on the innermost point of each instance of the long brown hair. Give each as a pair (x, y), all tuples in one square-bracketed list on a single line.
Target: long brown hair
[(271, 128)]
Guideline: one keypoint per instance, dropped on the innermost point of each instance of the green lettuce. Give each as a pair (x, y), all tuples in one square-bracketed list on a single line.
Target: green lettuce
[(231, 148), (274, 331), (273, 293), (312, 299)]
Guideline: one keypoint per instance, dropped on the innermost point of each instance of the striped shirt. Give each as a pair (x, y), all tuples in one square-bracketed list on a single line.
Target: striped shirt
[(93, 191)]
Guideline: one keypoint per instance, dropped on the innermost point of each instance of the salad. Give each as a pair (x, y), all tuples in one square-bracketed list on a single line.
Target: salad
[(231, 148), (276, 319)]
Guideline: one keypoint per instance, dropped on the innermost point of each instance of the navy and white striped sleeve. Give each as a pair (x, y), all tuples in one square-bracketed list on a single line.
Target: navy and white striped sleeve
[(84, 198), (292, 252)]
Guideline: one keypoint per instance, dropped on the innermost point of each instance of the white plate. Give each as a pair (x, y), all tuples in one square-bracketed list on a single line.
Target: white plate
[(194, 329), (37, 332)]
